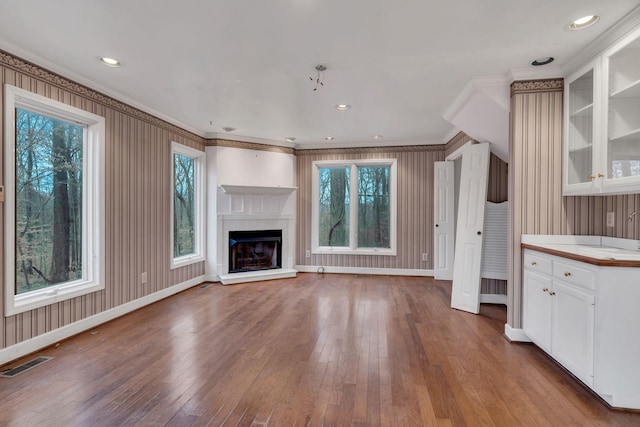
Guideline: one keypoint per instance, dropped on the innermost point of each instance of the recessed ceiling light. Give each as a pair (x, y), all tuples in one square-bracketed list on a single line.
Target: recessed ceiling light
[(110, 62), (290, 139), (543, 61), (329, 138), (584, 22), (343, 107), (377, 137), (228, 129)]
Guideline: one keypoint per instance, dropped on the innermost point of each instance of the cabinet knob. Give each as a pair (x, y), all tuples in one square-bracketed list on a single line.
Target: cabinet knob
[(600, 175), (545, 289), (567, 273), (436, 225), (534, 263), (552, 293), (592, 177)]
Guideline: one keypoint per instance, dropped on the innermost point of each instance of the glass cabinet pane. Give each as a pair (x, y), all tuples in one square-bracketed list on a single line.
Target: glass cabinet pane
[(580, 155), (623, 142)]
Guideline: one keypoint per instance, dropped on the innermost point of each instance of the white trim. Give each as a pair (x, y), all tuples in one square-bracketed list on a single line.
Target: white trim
[(200, 184), (515, 335), (364, 143), (93, 204), (41, 341), (364, 270), (459, 152), (493, 299), (257, 276), (353, 249)]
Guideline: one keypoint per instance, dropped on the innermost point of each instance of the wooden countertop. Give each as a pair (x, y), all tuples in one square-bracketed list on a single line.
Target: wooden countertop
[(602, 262)]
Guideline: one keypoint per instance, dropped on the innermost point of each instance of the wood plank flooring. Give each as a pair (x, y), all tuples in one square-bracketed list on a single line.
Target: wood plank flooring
[(316, 350)]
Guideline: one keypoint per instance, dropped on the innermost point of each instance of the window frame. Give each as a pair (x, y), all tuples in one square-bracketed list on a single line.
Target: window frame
[(353, 248), (199, 185), (93, 204)]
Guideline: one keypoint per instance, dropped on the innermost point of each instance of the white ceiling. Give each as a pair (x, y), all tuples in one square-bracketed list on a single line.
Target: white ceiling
[(206, 64)]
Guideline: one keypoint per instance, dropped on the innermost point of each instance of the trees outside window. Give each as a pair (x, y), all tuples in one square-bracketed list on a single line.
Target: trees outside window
[(366, 226), (187, 205), (54, 225)]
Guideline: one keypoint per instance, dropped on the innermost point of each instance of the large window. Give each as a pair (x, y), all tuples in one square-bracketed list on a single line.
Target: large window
[(187, 213), (54, 225), (354, 207)]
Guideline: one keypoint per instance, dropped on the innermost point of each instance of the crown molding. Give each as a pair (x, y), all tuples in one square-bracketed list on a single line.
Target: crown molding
[(537, 86), (55, 75), (368, 150), (617, 31), (535, 73), (230, 143), (250, 139)]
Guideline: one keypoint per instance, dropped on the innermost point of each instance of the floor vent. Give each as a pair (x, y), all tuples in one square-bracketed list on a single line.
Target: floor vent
[(10, 373)]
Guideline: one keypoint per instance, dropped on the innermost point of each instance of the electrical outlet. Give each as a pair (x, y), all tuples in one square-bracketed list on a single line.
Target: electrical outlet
[(425, 257), (611, 219), (143, 277), (308, 254)]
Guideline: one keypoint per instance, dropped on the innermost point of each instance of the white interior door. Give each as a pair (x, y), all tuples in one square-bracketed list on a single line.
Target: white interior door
[(465, 293), (443, 216)]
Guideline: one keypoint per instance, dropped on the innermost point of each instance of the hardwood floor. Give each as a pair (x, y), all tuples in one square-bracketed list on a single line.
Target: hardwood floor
[(315, 350)]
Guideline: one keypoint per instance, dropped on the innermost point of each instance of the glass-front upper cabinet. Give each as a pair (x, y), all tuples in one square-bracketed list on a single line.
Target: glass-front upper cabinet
[(579, 150), (623, 114), (601, 152)]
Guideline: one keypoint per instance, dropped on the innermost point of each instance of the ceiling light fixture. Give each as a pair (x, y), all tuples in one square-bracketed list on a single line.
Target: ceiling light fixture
[(377, 137), (109, 62), (228, 129), (582, 23), (329, 138), (543, 61), (320, 69), (343, 107), (290, 139)]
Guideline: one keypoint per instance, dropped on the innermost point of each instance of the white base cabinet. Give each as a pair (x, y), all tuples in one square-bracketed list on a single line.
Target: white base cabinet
[(586, 317)]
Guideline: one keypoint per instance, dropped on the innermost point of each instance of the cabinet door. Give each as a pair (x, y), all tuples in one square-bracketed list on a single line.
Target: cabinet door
[(573, 329), (622, 152), (579, 155), (536, 320)]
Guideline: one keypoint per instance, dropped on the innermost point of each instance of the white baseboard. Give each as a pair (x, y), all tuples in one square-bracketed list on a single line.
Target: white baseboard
[(49, 338), (361, 270), (257, 276), (212, 278), (493, 299), (515, 334)]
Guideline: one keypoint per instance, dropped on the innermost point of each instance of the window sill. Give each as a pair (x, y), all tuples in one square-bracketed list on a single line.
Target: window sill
[(44, 297), (186, 260)]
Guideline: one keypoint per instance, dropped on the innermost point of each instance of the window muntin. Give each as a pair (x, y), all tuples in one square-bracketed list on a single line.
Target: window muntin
[(366, 226), (187, 205), (54, 208)]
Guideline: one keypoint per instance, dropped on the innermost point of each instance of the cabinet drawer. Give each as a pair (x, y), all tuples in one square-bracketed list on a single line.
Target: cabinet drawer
[(535, 262), (572, 273)]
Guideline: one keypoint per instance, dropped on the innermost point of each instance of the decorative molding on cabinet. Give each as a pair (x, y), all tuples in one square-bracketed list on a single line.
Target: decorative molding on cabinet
[(535, 86)]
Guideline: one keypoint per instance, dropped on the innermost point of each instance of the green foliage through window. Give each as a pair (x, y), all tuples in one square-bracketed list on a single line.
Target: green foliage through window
[(49, 199)]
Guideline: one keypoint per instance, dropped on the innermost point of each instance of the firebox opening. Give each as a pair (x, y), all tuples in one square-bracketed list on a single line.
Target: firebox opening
[(255, 250)]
